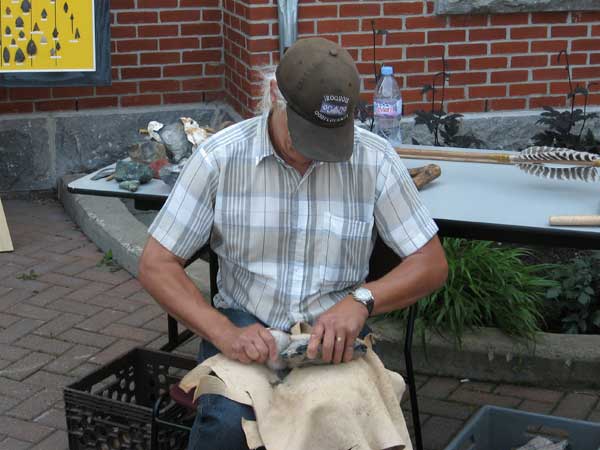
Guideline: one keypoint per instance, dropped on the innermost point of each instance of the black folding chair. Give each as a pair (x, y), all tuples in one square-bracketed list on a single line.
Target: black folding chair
[(382, 261)]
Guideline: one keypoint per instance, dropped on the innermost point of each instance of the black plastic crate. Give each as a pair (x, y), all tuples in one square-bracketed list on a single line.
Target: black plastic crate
[(495, 428), (111, 408)]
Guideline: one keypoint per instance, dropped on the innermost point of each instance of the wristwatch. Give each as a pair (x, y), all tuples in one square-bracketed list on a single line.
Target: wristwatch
[(364, 296)]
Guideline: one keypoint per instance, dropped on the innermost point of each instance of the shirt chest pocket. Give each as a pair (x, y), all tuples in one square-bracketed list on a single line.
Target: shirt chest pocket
[(346, 250)]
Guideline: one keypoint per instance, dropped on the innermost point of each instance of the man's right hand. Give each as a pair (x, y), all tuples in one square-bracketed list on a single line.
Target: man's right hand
[(249, 344)]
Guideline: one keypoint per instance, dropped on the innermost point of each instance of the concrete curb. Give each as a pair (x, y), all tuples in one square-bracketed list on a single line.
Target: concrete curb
[(487, 355)]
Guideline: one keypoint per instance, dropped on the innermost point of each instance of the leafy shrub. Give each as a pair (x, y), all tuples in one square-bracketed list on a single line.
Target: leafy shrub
[(488, 285), (575, 299)]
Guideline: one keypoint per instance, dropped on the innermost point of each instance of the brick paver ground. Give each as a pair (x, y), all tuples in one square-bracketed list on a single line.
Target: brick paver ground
[(63, 315)]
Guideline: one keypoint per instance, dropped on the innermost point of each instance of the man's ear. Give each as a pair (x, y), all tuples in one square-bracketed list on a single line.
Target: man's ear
[(273, 90)]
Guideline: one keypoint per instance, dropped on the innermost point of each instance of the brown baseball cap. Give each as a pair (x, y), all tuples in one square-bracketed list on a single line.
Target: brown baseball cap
[(321, 85)]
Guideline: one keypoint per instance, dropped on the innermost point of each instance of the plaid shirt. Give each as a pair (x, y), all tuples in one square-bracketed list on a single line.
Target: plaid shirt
[(290, 246)]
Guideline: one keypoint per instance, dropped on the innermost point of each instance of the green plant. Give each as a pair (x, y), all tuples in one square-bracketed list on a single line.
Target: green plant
[(488, 285), (576, 296), (108, 261), (439, 122), (28, 276), (563, 129)]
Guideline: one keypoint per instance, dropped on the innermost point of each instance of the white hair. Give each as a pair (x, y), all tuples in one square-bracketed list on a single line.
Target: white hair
[(265, 105)]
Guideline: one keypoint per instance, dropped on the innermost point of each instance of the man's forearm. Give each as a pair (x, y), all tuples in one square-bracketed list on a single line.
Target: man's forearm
[(170, 286), (414, 278)]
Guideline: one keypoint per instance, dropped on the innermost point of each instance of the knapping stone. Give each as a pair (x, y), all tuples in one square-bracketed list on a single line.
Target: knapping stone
[(509, 6), (147, 152), (131, 185), (132, 171), (176, 141)]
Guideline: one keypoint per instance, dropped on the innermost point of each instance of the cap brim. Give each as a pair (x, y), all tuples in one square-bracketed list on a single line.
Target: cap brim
[(320, 143)]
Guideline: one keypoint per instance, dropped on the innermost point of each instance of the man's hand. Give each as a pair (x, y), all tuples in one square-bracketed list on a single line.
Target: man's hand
[(249, 344), (336, 330)]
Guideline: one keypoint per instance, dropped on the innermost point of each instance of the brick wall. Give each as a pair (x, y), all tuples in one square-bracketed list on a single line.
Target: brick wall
[(500, 62), (162, 52)]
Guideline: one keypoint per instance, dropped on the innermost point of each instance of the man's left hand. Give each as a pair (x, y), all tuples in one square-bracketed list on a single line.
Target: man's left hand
[(336, 330)]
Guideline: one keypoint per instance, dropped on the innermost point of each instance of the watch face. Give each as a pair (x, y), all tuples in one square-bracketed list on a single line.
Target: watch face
[(363, 294)]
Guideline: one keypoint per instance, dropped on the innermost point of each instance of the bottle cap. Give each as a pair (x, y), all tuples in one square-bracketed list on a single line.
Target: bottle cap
[(387, 70)]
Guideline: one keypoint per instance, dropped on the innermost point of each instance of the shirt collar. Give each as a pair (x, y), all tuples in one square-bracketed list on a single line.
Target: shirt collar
[(262, 140)]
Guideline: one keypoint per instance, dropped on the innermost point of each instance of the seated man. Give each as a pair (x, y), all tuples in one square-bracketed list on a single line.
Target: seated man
[(292, 202)]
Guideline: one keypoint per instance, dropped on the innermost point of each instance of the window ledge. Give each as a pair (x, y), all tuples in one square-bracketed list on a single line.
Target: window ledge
[(512, 6)]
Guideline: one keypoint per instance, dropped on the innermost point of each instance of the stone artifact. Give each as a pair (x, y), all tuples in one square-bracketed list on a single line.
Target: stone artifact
[(132, 171), (131, 185), (176, 141), (147, 152)]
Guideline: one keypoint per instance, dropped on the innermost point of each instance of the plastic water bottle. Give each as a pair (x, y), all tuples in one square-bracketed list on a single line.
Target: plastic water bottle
[(387, 107)]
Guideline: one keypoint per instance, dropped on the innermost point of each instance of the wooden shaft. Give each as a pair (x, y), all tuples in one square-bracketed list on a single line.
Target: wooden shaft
[(422, 176), (575, 221)]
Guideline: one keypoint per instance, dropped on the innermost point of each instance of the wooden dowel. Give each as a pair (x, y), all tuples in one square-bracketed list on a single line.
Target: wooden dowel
[(575, 221)]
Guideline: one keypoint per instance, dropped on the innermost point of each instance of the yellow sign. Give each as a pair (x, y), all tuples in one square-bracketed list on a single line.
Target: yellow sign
[(47, 36)]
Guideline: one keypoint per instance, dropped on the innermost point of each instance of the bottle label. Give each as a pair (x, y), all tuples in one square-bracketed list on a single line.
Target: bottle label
[(388, 108)]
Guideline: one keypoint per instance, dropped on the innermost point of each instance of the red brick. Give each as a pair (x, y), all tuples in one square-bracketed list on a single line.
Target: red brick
[(122, 4), (29, 93), (539, 102), (408, 66), (98, 102), (157, 4), (575, 59), (202, 56), (16, 107), (464, 78), (133, 45), (55, 105), (509, 76), (529, 61), (528, 32), (549, 17), (528, 89), (117, 32), (450, 93), (507, 104), (410, 108), (141, 72), (159, 86), (425, 22), (262, 13), (549, 46), (336, 26), (467, 49), (212, 42), (262, 45), (360, 10), (586, 73), (384, 54), (255, 29), (585, 45), (510, 19), (182, 70), (548, 74), (158, 30), (410, 37), (389, 24), (487, 91), (418, 80), (202, 84), (509, 47), (137, 17), (117, 88), (468, 21), (452, 64), (141, 100), (124, 59), (488, 63), (189, 15), (487, 34), (179, 43), (306, 27), (424, 51), (569, 31), (157, 58), (596, 30), (595, 58), (213, 69), (402, 8), (446, 36), (212, 15), (466, 106), (200, 29), (72, 91), (586, 17), (561, 87), (317, 11)]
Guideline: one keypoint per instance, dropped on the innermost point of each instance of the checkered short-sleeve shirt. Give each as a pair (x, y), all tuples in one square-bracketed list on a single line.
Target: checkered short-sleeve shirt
[(290, 246)]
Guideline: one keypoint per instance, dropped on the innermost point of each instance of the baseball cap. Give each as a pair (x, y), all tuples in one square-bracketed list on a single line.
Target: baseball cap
[(321, 85)]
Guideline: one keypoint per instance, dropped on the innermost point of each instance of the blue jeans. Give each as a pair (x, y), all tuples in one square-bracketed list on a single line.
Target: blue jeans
[(218, 423)]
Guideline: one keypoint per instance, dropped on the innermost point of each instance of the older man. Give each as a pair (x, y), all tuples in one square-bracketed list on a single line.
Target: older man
[(292, 202)]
